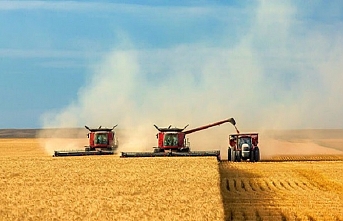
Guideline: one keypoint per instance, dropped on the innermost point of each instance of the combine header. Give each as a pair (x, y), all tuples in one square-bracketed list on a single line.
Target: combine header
[(173, 142), (102, 141)]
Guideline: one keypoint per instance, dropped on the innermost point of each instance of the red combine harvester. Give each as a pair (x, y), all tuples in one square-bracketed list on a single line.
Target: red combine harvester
[(243, 147), (102, 141), (173, 142)]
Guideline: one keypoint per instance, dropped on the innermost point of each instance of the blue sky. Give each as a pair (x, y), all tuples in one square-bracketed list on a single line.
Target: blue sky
[(273, 64)]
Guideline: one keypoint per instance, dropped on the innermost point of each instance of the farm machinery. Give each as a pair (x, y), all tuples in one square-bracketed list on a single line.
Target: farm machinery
[(102, 141), (243, 147), (173, 142)]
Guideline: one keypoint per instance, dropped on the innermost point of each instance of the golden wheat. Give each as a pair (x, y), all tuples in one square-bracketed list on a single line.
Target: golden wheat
[(35, 186), (106, 187)]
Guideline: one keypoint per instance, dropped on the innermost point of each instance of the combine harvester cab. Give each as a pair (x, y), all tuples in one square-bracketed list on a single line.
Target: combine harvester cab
[(243, 147), (102, 141), (172, 142)]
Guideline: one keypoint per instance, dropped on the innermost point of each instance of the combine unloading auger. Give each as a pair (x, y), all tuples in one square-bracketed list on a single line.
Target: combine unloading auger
[(172, 142), (102, 141)]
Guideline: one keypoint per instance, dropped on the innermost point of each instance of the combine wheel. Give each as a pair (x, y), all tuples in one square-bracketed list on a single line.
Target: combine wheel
[(158, 150), (184, 150)]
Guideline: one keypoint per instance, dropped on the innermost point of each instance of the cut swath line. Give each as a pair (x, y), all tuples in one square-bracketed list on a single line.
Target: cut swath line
[(267, 185), (243, 185), (235, 184), (228, 185), (252, 186), (257, 215), (283, 186), (283, 217), (290, 185), (244, 215), (299, 185)]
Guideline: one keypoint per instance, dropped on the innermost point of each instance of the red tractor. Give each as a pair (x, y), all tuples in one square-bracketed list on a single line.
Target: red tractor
[(173, 142), (243, 147), (102, 141)]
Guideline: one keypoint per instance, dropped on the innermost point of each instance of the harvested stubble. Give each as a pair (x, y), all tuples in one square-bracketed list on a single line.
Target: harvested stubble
[(107, 187), (282, 190), (306, 158)]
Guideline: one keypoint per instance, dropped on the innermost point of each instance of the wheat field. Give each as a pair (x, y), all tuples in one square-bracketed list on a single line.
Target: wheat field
[(37, 186)]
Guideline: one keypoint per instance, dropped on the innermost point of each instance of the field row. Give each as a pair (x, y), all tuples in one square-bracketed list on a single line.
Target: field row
[(272, 185), (282, 190), (305, 158)]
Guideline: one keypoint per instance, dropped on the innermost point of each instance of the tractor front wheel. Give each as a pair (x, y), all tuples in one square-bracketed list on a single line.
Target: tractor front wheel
[(238, 156)]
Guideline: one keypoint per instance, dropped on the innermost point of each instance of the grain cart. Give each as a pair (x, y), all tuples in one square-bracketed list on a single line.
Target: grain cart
[(173, 142), (102, 141), (243, 147)]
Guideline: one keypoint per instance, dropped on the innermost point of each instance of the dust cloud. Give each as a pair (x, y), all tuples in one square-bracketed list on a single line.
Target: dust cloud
[(62, 139), (281, 73), (301, 142)]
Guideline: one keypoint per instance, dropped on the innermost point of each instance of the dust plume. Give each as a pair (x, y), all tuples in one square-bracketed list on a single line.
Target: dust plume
[(62, 139), (281, 72), (301, 142)]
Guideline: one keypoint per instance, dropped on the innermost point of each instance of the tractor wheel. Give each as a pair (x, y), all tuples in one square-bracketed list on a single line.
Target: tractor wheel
[(252, 156), (233, 155), (238, 156), (229, 154), (257, 154)]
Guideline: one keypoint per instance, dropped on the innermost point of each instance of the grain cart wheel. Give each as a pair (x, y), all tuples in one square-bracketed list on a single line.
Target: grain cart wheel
[(257, 154)]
